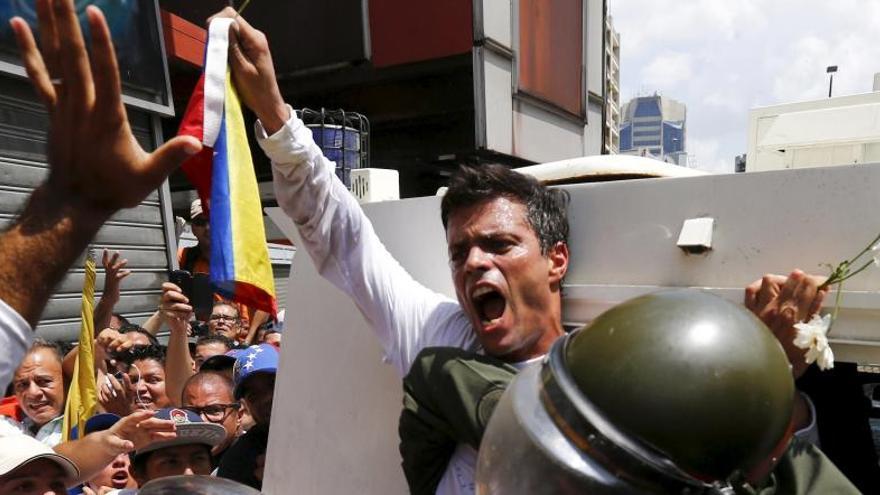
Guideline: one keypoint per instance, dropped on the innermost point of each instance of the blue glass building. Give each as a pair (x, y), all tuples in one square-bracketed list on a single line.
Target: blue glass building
[(655, 126)]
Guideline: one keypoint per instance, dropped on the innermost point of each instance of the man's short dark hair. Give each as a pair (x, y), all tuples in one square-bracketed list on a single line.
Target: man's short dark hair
[(216, 339), (140, 353), (546, 207), (131, 327)]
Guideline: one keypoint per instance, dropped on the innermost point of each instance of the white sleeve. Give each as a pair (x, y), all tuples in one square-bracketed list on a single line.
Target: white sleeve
[(405, 315), (15, 339)]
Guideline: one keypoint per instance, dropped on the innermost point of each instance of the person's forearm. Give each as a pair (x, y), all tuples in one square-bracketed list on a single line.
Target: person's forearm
[(36, 252), (153, 323), (178, 365), (104, 309), (90, 453), (259, 318)]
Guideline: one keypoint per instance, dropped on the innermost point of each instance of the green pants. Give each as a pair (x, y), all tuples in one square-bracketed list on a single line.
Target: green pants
[(449, 396)]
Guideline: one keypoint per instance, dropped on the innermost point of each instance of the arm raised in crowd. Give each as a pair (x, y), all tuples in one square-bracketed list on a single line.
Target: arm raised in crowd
[(114, 272), (405, 315), (96, 166), (179, 366)]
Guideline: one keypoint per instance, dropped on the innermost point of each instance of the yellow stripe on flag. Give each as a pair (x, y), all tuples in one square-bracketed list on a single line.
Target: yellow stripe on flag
[(82, 396)]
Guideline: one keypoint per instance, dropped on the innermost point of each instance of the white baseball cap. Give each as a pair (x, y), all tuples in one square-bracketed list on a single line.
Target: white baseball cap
[(18, 450)]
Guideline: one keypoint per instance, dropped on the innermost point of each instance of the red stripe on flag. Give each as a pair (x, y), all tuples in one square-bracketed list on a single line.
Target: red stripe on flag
[(198, 168)]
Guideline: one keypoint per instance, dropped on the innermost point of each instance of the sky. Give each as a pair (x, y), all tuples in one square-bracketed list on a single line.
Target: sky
[(724, 57)]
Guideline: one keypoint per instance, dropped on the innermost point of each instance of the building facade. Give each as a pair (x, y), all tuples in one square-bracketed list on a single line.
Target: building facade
[(611, 138), (655, 126), (843, 130)]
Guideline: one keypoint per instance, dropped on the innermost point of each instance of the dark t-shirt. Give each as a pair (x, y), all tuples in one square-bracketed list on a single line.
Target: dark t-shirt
[(240, 459)]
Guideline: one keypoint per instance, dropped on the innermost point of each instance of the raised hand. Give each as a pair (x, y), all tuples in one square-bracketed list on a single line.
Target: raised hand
[(254, 72), (96, 166), (94, 159), (175, 308)]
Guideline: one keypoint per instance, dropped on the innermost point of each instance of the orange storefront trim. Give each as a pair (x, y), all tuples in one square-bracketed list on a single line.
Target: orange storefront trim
[(184, 40)]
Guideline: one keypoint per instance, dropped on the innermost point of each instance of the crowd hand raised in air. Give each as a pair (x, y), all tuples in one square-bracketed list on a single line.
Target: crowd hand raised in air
[(175, 308)]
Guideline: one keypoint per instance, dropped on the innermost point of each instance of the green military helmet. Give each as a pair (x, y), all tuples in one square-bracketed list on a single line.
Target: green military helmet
[(694, 376)]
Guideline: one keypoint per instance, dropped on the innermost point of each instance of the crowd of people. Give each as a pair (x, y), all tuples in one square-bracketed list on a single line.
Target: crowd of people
[(202, 405)]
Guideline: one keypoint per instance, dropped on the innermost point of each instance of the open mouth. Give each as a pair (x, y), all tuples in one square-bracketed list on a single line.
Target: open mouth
[(489, 304), (119, 479)]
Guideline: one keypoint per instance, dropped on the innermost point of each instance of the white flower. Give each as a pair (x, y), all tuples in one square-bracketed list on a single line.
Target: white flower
[(813, 337), (876, 256)]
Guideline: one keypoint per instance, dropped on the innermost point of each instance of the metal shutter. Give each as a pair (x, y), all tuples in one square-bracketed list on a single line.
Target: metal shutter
[(138, 233)]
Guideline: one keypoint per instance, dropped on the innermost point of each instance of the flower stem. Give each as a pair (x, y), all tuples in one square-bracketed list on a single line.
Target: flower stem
[(837, 299), (854, 273), (867, 248)]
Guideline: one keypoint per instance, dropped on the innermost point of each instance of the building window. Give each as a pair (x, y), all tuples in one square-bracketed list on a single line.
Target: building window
[(551, 52)]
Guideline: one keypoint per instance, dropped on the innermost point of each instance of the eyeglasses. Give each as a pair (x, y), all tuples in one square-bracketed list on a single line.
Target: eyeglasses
[(224, 318), (215, 413)]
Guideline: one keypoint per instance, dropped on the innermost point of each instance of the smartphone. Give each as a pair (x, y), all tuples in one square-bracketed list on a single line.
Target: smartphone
[(196, 288), (184, 280), (202, 298)]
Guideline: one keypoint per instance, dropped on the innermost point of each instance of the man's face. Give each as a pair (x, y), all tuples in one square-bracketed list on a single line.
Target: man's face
[(259, 390), (273, 339), (506, 286), (201, 230), (224, 321), (214, 400), (39, 386), (40, 477), (204, 351), (114, 475), (148, 385), (173, 461)]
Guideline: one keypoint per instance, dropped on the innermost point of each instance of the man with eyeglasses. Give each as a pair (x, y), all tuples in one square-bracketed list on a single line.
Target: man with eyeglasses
[(226, 321), (210, 395)]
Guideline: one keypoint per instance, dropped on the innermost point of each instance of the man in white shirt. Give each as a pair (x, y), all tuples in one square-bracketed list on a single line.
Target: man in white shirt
[(507, 265), (39, 387)]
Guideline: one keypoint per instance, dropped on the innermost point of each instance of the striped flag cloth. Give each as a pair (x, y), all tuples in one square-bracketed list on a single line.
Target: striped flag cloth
[(82, 396), (223, 174)]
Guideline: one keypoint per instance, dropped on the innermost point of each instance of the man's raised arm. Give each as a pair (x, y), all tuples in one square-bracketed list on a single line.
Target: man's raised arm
[(340, 239), (96, 166)]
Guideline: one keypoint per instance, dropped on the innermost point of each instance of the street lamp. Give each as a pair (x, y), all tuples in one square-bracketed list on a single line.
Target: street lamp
[(831, 69)]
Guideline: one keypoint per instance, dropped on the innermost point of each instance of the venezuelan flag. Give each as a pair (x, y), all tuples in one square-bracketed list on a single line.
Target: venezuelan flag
[(223, 174), (82, 396)]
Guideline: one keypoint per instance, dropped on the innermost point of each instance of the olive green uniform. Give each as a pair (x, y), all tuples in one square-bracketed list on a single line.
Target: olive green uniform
[(449, 396)]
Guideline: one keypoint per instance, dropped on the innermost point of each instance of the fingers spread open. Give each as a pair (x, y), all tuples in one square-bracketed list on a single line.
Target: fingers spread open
[(49, 42), (73, 58), (33, 62), (106, 71)]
